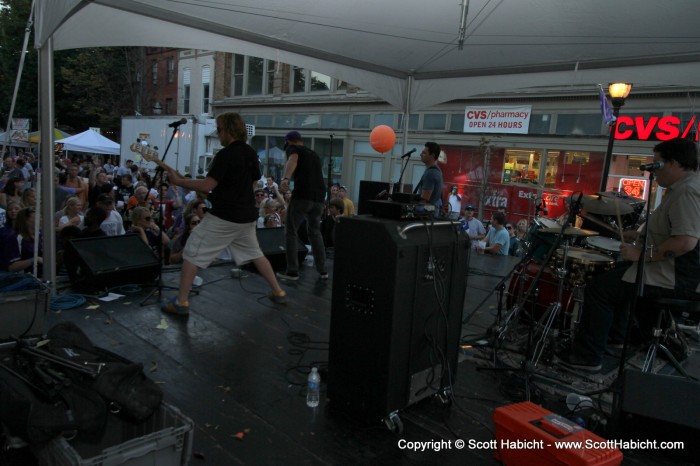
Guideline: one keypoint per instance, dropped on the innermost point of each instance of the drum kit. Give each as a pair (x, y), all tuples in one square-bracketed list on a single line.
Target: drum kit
[(549, 282)]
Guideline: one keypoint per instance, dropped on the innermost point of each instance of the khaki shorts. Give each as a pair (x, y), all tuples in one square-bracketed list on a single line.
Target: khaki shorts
[(213, 235)]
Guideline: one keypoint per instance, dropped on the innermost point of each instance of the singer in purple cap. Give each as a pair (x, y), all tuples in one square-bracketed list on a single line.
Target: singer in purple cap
[(306, 204), (671, 259)]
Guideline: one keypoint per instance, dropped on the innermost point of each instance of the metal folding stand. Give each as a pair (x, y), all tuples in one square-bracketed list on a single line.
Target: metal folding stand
[(528, 366), (157, 291)]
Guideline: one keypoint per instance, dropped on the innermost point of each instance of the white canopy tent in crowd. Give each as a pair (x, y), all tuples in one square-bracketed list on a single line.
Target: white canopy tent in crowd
[(411, 54), (90, 141)]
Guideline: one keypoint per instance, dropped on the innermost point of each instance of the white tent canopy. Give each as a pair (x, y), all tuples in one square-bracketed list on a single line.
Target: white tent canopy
[(408, 52), (411, 54), (90, 141)]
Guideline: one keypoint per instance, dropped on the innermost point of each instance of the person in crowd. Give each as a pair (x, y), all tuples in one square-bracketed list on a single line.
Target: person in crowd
[(12, 191), (268, 216), (671, 261), (113, 225), (349, 206), (504, 211), (472, 225), (76, 182), (497, 238), (260, 196), (521, 230), (93, 221), (335, 211), (10, 169), (197, 207), (72, 214), (166, 208), (27, 171), (177, 245), (307, 204), (454, 204), (514, 248), (60, 192), (125, 189), (109, 167), (271, 188), (430, 185), (97, 179), (29, 198), (8, 235), (143, 225), (230, 224), (125, 170), (21, 254), (335, 187)]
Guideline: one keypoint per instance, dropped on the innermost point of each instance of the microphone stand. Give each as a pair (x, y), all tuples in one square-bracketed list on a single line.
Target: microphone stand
[(398, 183), (616, 386), (330, 174), (157, 291)]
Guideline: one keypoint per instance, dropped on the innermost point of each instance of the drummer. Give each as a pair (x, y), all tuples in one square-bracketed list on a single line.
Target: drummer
[(672, 264)]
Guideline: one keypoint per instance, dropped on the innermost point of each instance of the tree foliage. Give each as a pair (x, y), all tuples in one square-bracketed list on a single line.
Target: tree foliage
[(92, 87)]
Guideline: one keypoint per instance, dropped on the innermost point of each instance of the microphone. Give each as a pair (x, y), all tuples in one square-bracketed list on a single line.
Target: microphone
[(177, 123), (408, 154), (579, 201), (650, 167), (544, 207)]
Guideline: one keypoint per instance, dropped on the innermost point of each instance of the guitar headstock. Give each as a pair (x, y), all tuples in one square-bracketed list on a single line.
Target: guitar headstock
[(146, 152)]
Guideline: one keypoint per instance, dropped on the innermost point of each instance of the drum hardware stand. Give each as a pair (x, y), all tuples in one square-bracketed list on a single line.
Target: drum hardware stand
[(554, 308), (656, 345), (527, 366)]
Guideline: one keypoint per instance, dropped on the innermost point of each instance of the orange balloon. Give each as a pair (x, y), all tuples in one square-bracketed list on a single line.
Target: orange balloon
[(382, 138)]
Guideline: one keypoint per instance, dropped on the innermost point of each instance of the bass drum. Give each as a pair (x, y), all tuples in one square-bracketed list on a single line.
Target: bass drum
[(544, 294)]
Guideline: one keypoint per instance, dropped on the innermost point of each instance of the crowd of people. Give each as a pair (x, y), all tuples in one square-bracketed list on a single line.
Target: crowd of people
[(125, 200)]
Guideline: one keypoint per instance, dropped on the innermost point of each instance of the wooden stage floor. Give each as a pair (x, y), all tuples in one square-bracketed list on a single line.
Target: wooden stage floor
[(238, 364)]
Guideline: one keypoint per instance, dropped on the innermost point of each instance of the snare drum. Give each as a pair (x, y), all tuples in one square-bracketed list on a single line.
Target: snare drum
[(608, 246), (583, 264)]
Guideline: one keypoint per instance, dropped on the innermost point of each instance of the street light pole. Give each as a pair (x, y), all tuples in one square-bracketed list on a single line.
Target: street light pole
[(618, 94)]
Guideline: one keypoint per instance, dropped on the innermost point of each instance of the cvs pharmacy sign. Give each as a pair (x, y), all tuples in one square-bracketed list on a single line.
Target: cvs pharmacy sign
[(654, 128)]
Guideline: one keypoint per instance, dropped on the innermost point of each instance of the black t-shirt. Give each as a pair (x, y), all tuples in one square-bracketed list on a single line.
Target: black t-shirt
[(235, 168), (308, 176)]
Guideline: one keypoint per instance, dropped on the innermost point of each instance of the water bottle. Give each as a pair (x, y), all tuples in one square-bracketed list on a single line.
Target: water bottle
[(313, 389)]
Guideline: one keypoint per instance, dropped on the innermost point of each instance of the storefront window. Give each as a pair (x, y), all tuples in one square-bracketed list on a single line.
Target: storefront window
[(539, 124), (324, 150), (579, 124), (625, 176), (565, 166), (521, 166)]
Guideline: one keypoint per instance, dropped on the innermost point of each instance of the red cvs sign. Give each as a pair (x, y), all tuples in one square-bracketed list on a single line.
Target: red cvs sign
[(655, 128)]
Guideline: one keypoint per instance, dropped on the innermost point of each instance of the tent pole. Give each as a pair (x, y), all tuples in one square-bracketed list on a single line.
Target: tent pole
[(27, 32), (406, 115), (46, 117)]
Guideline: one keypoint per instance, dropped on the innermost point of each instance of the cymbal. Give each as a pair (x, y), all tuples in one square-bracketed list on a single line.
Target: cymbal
[(569, 231), (602, 205)]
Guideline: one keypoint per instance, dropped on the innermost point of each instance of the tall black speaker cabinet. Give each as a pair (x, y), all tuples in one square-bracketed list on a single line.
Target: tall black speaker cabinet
[(398, 295)]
